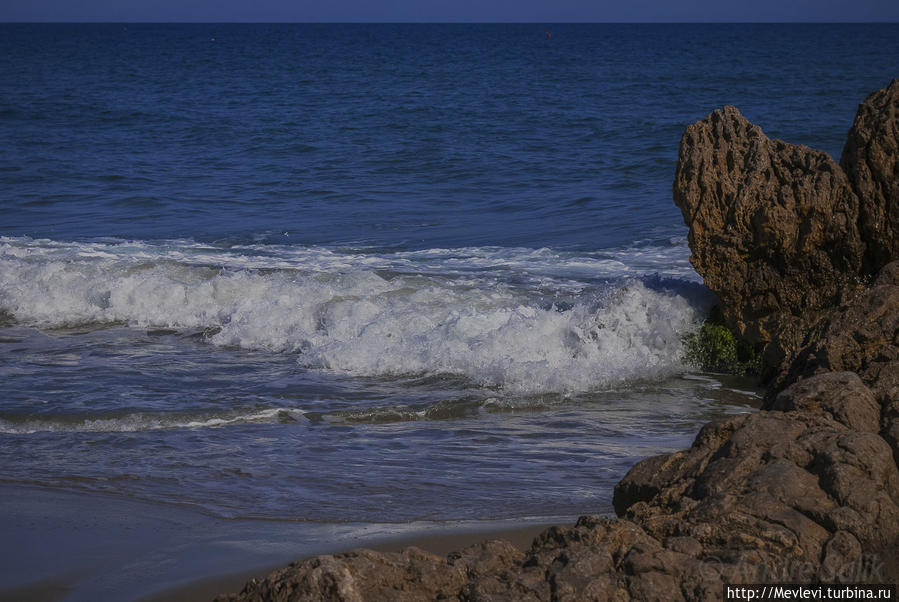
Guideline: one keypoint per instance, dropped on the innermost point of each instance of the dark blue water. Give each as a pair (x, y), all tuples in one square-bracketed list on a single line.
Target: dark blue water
[(414, 136), (371, 273)]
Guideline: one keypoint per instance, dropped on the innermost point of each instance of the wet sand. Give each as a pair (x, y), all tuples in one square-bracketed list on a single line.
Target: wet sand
[(441, 543), (91, 546)]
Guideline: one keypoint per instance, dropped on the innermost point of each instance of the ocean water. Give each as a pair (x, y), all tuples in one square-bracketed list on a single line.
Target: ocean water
[(371, 273)]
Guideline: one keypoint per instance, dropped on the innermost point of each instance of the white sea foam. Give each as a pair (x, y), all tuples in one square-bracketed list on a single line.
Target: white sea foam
[(521, 320)]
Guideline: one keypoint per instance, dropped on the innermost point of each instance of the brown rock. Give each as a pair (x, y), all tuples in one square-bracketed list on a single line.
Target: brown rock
[(871, 160), (362, 576), (862, 337), (772, 227), (886, 388), (785, 236), (771, 490), (842, 395)]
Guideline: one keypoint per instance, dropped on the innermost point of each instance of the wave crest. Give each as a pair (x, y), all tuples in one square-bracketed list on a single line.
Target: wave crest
[(501, 329)]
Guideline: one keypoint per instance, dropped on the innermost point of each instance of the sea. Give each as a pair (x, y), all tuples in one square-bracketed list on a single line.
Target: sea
[(381, 274)]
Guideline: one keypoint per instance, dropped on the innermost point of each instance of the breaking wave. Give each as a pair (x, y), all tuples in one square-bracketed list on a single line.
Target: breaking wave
[(520, 320)]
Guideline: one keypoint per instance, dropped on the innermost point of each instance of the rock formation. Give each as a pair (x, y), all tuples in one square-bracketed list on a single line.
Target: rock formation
[(812, 485), (780, 232), (871, 160), (807, 490), (861, 336), (772, 225)]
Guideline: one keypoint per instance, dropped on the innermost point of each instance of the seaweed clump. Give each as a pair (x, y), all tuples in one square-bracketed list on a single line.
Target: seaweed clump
[(714, 348)]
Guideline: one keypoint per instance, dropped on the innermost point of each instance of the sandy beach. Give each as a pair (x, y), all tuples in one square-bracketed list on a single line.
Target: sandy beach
[(437, 540), (79, 546)]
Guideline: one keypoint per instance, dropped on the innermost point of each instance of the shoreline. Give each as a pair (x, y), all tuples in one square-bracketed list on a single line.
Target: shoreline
[(70, 545), (440, 541)]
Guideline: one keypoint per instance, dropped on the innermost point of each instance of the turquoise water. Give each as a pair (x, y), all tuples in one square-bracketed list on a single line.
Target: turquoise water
[(344, 273)]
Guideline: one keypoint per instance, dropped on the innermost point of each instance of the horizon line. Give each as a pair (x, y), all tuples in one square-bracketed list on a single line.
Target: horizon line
[(236, 22)]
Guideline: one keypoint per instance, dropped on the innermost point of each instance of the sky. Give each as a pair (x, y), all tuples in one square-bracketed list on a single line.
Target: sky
[(535, 11)]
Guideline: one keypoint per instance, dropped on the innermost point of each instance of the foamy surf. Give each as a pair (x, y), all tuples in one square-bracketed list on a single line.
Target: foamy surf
[(145, 421), (524, 321)]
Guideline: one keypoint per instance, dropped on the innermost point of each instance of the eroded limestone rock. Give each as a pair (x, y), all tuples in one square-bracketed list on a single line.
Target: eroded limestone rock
[(871, 160)]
